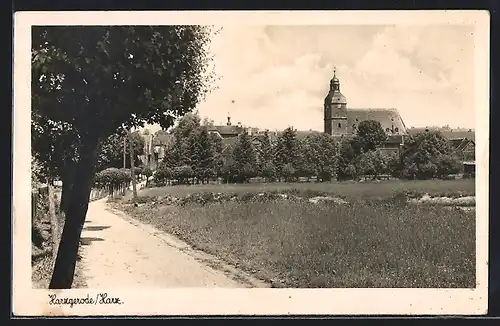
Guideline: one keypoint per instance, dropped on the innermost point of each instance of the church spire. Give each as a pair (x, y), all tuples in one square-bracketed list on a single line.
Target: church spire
[(228, 119), (335, 83)]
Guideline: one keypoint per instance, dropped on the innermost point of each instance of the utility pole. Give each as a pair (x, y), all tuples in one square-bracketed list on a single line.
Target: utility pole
[(124, 147), (132, 165)]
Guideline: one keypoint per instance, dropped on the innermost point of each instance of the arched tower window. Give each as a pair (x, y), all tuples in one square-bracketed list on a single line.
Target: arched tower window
[(340, 125)]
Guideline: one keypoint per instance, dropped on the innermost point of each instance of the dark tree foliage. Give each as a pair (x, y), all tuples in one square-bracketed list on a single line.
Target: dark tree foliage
[(288, 154), (428, 155), (370, 134), (244, 158)]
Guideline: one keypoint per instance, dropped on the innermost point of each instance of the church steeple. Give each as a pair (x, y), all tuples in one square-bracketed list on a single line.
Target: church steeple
[(228, 119), (335, 109), (335, 83)]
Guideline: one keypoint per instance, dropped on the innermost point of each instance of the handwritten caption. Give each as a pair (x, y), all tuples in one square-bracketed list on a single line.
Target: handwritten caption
[(100, 298)]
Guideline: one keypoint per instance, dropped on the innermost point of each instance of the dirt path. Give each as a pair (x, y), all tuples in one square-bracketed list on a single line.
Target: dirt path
[(118, 252)]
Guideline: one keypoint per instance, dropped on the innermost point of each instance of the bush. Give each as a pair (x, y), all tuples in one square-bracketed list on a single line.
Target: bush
[(113, 179), (183, 173), (162, 174)]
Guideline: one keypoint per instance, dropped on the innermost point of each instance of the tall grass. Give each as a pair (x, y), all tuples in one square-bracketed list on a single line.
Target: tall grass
[(300, 244)]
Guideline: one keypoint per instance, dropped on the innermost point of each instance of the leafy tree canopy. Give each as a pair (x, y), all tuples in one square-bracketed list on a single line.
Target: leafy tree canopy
[(371, 134), (114, 76)]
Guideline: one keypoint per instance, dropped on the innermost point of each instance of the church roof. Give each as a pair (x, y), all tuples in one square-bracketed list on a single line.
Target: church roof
[(390, 119), (335, 97)]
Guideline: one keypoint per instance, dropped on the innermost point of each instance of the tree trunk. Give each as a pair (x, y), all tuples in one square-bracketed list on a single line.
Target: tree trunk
[(67, 186), (64, 268), (53, 218)]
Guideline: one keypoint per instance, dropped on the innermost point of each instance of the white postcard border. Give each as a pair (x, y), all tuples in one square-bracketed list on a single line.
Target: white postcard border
[(28, 301)]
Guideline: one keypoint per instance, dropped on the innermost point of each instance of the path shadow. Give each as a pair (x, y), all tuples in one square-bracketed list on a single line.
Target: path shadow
[(88, 221), (96, 228), (85, 241)]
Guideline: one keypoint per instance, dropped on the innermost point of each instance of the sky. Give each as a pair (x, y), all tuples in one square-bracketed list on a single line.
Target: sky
[(278, 76)]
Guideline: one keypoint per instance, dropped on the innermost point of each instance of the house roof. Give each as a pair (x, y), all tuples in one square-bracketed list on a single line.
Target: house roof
[(459, 144), (227, 130), (301, 134), (228, 143), (389, 118), (450, 134), (456, 143)]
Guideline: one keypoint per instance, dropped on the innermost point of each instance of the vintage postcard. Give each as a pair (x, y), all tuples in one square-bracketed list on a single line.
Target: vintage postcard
[(250, 163)]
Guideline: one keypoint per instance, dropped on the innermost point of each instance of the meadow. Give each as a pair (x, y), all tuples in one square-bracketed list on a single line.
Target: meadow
[(383, 188), (376, 240)]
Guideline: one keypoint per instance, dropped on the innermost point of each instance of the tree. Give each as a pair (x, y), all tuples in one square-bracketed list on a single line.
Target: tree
[(181, 150), (111, 150), (55, 147), (244, 158), (320, 155), (371, 134), (287, 152), (146, 171), (217, 152), (102, 79), (394, 166), (288, 172), (373, 163), (268, 171), (182, 173), (348, 152), (447, 164), (207, 122), (203, 155), (266, 149), (427, 155)]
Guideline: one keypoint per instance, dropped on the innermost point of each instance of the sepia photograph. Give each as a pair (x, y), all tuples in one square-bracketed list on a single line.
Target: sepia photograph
[(250, 156)]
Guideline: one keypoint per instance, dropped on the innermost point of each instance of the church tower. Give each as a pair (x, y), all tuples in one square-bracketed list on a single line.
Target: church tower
[(335, 109)]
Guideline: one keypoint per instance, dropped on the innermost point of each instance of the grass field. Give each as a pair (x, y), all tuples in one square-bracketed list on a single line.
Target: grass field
[(387, 188), (367, 243)]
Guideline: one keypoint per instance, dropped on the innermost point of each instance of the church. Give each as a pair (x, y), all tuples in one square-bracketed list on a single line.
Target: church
[(340, 121)]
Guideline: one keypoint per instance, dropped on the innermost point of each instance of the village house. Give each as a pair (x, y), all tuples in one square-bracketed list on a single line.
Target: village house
[(154, 148), (229, 134)]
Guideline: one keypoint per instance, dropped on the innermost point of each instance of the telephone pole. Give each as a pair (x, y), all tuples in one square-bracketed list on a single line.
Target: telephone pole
[(124, 148), (132, 166)]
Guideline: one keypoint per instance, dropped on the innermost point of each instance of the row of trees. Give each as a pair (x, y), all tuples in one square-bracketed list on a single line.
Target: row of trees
[(195, 155)]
